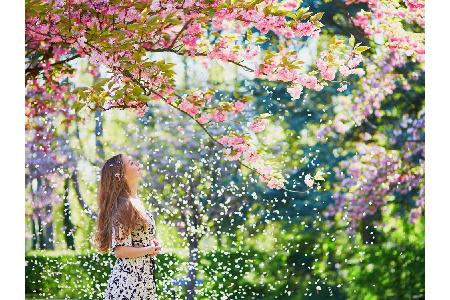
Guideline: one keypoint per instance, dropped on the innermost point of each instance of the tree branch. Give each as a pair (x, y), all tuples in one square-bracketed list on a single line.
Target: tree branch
[(83, 204)]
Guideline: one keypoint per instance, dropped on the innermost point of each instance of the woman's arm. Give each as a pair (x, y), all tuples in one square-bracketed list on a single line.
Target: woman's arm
[(133, 252), (122, 245)]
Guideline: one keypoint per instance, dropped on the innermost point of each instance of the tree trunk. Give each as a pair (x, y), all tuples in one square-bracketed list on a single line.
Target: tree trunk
[(34, 239), (48, 241), (192, 272), (40, 234), (193, 241), (99, 134), (69, 230), (47, 228), (219, 241), (83, 204)]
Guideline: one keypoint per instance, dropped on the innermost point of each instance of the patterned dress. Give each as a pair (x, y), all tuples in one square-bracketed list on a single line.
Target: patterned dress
[(133, 278)]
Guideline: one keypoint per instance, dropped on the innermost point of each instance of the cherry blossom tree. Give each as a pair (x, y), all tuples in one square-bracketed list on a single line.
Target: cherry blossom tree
[(123, 36), (387, 163)]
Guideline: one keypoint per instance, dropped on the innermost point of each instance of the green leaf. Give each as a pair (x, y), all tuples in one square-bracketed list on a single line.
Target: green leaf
[(137, 56), (261, 39), (101, 82), (152, 22), (144, 12), (143, 98), (319, 176), (264, 116), (352, 40), (246, 98), (249, 34), (317, 17), (137, 91), (166, 36), (77, 106), (361, 49), (306, 15), (292, 15)]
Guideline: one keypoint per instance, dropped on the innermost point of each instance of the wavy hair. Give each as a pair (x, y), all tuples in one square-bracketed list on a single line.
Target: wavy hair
[(114, 205)]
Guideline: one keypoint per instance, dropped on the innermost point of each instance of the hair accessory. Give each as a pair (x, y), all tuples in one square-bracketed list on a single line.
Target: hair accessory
[(117, 175)]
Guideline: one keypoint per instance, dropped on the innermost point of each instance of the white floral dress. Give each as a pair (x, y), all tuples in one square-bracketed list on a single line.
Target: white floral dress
[(133, 278)]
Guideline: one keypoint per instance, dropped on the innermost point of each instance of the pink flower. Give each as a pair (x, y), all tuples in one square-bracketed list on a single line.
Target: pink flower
[(275, 183), (290, 4), (309, 181), (224, 140), (345, 71), (140, 111), (155, 5), (208, 97), (259, 73), (238, 106), (258, 125), (194, 28), (295, 91), (304, 29), (188, 107), (328, 73), (414, 5), (354, 61), (219, 115), (251, 156), (232, 155), (235, 140), (415, 215), (286, 74), (204, 118), (138, 107), (264, 173), (342, 88), (361, 20), (251, 52), (241, 148), (309, 81)]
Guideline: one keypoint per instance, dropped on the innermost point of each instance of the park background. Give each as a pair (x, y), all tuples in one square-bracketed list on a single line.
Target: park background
[(253, 242)]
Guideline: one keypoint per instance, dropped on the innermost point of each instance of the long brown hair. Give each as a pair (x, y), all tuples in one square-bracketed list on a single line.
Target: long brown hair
[(114, 204)]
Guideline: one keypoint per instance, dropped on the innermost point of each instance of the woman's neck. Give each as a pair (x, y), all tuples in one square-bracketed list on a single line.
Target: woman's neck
[(133, 189)]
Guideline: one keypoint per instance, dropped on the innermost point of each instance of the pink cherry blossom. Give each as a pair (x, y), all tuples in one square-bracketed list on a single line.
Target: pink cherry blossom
[(188, 107), (219, 115), (309, 181), (295, 91), (204, 118), (342, 88), (238, 106), (258, 125)]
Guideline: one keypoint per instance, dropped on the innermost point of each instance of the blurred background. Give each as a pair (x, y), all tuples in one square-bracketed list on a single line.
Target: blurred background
[(359, 234)]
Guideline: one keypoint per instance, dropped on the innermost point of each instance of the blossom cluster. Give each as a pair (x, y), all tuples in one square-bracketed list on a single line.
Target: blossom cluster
[(384, 24), (238, 147), (371, 178)]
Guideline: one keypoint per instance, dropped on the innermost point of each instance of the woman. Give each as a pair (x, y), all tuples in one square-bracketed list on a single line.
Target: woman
[(125, 226)]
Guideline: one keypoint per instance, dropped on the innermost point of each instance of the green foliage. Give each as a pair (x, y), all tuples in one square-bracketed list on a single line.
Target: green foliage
[(78, 275), (392, 267)]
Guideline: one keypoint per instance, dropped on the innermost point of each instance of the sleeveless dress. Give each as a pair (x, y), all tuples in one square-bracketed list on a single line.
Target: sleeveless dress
[(133, 278)]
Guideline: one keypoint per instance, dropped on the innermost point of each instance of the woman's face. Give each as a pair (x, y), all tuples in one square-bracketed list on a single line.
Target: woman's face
[(132, 169)]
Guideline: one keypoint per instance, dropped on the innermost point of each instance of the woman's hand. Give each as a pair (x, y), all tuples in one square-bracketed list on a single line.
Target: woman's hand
[(157, 246), (152, 248)]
